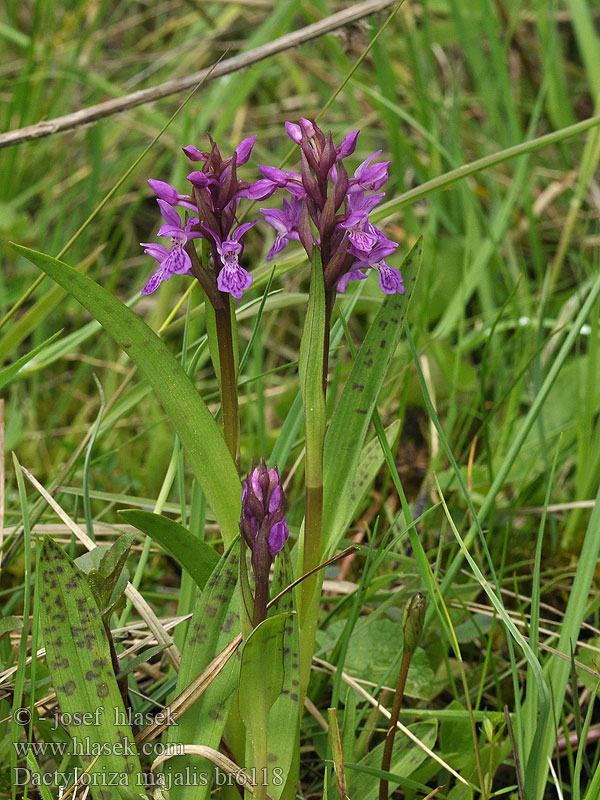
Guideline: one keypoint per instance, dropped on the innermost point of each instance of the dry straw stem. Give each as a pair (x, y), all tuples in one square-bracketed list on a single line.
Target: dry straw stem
[(144, 610), (190, 694), (218, 759), (86, 116)]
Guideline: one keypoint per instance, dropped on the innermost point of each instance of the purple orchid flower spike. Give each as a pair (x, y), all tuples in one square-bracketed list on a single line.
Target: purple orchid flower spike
[(263, 527), (285, 223), (232, 278), (173, 261), (390, 278), (362, 234)]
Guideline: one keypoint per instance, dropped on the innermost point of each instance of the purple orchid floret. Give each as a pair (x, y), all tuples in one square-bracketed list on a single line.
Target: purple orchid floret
[(278, 179), (390, 278), (348, 146), (370, 178), (259, 190), (164, 191), (201, 180), (232, 277), (285, 223), (295, 131), (194, 154), (173, 261), (362, 234), (244, 149), (242, 152), (353, 275)]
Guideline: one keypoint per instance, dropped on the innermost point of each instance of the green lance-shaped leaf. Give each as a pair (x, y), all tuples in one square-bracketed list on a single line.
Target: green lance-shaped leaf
[(261, 682), (198, 431), (78, 658), (196, 557), (371, 461), (213, 625), (284, 715), (350, 421)]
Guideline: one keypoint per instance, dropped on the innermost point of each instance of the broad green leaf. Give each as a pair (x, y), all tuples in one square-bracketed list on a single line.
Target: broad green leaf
[(350, 421), (9, 373), (406, 758), (196, 557), (284, 715), (199, 433), (374, 649), (78, 658), (214, 624), (261, 682)]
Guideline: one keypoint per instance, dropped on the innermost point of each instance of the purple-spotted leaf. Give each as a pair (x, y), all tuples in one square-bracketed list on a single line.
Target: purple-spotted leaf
[(283, 733), (79, 661), (352, 415), (213, 625), (261, 683)]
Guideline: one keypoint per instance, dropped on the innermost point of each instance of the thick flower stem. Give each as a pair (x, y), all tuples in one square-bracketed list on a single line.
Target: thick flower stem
[(412, 629), (312, 372), (261, 598), (391, 732), (229, 396)]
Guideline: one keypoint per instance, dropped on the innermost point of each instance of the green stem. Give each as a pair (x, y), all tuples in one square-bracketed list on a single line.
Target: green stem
[(261, 598), (386, 761), (229, 396), (259, 746), (313, 377)]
